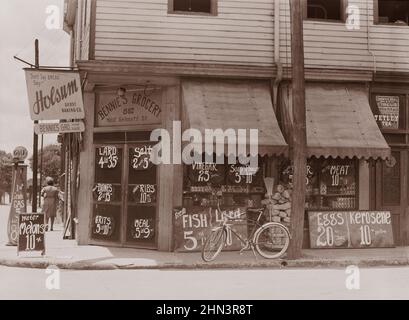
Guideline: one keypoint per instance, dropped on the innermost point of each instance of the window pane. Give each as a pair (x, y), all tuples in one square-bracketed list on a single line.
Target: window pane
[(181, 5), (394, 11), (391, 180), (192, 5), (324, 9)]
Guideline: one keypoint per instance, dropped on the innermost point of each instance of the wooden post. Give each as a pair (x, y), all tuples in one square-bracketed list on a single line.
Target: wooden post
[(299, 130), (35, 143)]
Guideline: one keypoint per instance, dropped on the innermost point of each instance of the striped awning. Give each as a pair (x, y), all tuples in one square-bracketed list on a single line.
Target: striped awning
[(339, 121), (234, 105)]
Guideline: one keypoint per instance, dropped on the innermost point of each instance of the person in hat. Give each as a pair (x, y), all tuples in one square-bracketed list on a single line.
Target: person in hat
[(50, 195)]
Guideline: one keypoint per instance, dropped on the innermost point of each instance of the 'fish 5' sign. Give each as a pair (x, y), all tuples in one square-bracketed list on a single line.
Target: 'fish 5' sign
[(54, 95)]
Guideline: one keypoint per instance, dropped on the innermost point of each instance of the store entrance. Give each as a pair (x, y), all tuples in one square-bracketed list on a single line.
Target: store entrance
[(125, 196), (390, 192)]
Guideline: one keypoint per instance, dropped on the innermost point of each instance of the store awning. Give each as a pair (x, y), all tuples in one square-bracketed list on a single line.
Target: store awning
[(234, 105), (340, 122)]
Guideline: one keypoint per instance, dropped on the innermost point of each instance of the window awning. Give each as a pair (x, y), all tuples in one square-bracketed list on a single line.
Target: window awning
[(234, 105), (340, 122)]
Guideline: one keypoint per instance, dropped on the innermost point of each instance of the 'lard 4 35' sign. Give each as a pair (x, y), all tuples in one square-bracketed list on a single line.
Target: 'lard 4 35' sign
[(54, 95)]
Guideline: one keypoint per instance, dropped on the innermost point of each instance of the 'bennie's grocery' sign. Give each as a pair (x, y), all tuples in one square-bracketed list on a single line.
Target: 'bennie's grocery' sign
[(54, 95)]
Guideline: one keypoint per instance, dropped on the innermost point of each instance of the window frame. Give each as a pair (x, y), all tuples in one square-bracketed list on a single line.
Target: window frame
[(376, 17), (344, 5), (213, 9)]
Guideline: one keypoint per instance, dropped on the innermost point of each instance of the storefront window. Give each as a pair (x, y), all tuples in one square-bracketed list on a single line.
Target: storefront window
[(107, 193), (331, 184)]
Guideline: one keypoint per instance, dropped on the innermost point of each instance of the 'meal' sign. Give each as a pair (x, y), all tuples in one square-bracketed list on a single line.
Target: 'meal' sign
[(54, 95), (133, 107)]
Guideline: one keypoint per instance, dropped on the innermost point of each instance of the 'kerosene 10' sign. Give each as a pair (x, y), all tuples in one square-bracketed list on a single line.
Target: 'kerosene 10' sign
[(54, 95)]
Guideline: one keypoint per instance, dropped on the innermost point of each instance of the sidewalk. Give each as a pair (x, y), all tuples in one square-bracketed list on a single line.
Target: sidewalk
[(66, 254)]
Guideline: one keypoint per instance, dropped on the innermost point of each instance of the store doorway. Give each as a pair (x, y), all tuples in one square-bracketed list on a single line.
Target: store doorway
[(390, 192), (124, 196)]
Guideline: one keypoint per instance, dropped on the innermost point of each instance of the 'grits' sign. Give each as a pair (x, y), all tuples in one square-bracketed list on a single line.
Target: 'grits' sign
[(54, 95)]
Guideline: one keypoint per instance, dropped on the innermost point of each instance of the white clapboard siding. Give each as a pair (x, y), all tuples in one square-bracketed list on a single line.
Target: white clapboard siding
[(142, 30), (332, 45)]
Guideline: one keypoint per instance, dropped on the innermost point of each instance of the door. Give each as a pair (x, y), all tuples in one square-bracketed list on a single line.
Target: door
[(391, 192), (124, 210), (141, 197)]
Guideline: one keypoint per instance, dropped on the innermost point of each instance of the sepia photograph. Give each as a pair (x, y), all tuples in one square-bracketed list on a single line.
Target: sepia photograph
[(204, 155)]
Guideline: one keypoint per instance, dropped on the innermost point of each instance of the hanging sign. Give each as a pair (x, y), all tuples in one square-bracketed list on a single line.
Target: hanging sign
[(387, 115), (18, 202), (129, 108), (54, 95), (31, 233), (60, 127)]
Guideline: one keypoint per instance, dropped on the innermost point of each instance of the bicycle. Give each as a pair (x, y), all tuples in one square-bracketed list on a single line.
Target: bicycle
[(269, 239)]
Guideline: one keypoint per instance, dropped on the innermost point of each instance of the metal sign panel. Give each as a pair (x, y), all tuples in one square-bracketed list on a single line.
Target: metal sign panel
[(54, 95)]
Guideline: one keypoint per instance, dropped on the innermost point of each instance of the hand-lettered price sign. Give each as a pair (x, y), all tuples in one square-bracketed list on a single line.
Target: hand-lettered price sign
[(31, 233), (350, 229), (206, 173), (107, 157), (106, 192), (143, 193), (140, 157), (238, 174), (103, 226), (194, 224), (143, 229)]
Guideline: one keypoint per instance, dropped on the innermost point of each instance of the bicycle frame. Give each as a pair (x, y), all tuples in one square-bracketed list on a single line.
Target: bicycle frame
[(256, 225)]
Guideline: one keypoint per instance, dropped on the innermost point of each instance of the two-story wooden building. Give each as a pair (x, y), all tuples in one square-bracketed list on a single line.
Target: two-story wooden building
[(227, 64)]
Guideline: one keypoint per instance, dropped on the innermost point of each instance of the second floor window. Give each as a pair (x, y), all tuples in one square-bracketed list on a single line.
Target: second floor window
[(333, 10), (392, 12), (198, 6)]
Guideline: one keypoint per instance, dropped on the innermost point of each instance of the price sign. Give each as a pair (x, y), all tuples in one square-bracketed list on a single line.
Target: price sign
[(106, 192), (243, 175), (107, 157), (193, 225), (143, 228), (350, 229), (140, 157), (206, 173), (31, 232), (104, 225), (143, 193)]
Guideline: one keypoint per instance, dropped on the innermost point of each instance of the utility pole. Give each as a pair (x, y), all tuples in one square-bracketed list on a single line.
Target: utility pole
[(299, 147), (35, 141)]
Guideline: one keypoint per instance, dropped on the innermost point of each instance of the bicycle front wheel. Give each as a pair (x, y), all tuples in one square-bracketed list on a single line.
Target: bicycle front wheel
[(213, 244), (272, 240)]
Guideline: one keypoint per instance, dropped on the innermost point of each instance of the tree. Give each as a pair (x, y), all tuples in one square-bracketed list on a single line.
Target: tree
[(51, 156), (6, 162)]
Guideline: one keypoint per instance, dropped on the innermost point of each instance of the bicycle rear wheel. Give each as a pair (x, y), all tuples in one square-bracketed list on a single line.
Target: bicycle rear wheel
[(213, 244), (272, 240)]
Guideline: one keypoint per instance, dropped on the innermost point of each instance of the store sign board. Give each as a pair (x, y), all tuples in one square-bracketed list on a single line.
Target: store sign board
[(54, 95), (18, 203), (193, 225), (387, 113), (350, 229), (31, 233), (61, 127), (129, 108)]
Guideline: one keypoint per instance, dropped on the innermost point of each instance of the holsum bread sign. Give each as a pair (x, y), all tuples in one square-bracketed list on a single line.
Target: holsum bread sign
[(54, 95)]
